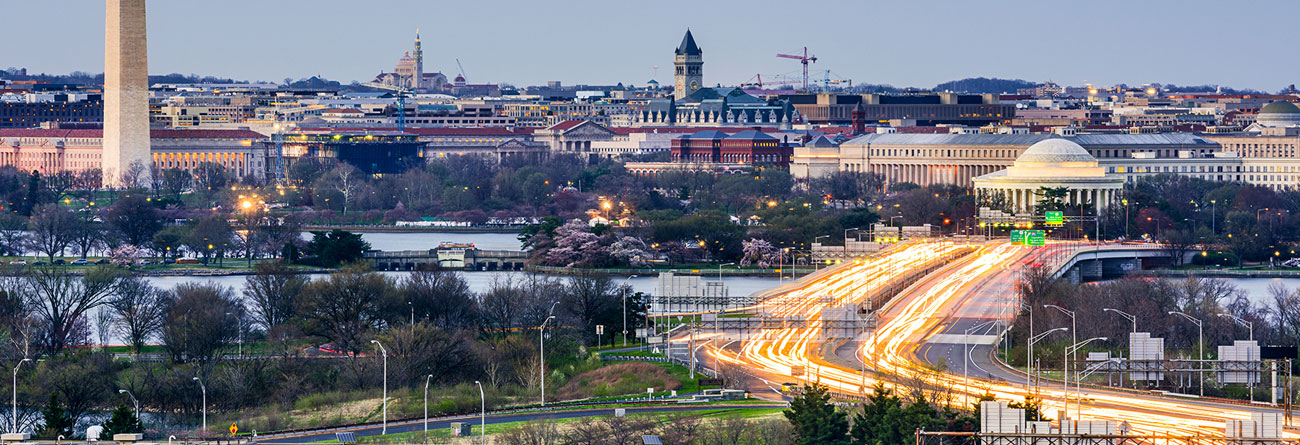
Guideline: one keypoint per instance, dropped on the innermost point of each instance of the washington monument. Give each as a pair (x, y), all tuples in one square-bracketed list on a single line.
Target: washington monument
[(126, 95)]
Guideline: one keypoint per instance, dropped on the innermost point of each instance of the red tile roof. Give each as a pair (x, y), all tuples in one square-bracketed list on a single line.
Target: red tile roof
[(343, 110), (565, 125), (685, 130), (157, 133), (472, 131)]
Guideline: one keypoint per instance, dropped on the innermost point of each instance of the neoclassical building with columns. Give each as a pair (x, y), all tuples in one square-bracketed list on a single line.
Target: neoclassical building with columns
[(1052, 163)]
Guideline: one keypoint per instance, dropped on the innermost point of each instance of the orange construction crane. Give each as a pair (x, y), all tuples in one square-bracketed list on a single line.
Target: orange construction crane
[(804, 59)]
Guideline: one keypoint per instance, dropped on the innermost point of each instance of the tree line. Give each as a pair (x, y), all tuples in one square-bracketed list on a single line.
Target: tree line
[(283, 337)]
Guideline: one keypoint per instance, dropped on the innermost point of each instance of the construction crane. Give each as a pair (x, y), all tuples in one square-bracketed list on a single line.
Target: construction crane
[(462, 69), (827, 81), (400, 93), (804, 59)]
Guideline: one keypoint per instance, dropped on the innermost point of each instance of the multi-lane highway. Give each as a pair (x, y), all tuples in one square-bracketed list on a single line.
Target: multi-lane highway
[(926, 326)]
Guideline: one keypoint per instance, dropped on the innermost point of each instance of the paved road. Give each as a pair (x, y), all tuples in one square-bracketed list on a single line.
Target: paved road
[(445, 422)]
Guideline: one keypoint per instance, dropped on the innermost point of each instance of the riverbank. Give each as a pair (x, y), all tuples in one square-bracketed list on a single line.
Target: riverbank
[(396, 229), (703, 270), (1219, 273)]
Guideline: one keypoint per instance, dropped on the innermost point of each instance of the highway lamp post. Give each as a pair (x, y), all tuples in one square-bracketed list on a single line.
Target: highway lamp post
[(1074, 338), (1125, 202), (133, 400), (1078, 392), (1212, 212), (204, 390), (965, 358), (846, 240), (1127, 315), (15, 417), (811, 258), (385, 353), (426, 406), (1251, 327), (625, 289), (1200, 335), (541, 346), (1029, 359), (482, 422)]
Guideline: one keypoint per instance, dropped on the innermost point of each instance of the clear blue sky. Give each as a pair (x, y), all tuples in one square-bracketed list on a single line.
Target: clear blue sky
[(904, 43)]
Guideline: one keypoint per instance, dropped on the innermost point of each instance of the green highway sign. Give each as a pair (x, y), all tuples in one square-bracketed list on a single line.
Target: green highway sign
[(1018, 237), (1035, 237), (1055, 218)]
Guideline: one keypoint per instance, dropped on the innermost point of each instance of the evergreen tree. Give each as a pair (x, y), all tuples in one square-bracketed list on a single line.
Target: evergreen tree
[(122, 421), (815, 420), (57, 421)]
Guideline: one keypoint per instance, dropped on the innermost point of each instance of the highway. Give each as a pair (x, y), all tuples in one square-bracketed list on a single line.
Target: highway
[(924, 327)]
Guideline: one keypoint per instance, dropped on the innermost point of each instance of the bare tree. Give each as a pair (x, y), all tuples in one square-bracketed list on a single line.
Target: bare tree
[(442, 296), (60, 299), (199, 321), (348, 180), (51, 229), (13, 233), (105, 323), (347, 306), (134, 176), (273, 290), (139, 308)]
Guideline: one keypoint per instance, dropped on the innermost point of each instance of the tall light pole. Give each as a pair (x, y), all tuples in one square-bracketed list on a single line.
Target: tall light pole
[(15, 418), (1066, 377), (1127, 315), (541, 346), (385, 353), (965, 358), (426, 406), (625, 289), (482, 422), (1212, 227), (204, 389), (1249, 325), (133, 400), (1200, 335), (846, 240), (1074, 329), (1125, 202), (1029, 360)]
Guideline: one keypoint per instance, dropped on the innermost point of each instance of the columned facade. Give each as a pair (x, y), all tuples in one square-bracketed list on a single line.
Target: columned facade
[(1050, 164)]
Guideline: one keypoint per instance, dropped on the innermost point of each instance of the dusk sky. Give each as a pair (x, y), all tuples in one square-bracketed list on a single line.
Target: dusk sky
[(904, 43)]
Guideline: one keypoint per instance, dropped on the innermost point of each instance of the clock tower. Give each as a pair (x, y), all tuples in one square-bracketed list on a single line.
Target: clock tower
[(689, 64)]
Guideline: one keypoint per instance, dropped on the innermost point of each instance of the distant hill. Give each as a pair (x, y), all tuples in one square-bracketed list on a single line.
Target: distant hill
[(980, 85)]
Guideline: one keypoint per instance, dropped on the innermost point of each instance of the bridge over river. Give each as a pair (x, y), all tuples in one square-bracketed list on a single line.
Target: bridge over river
[(459, 258)]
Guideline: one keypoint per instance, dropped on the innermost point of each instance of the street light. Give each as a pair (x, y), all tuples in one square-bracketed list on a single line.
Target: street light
[(541, 346), (1074, 326), (1028, 362), (205, 403), (133, 400), (426, 406), (1249, 325), (1127, 315), (965, 359), (482, 423), (846, 239), (1066, 377), (1200, 335), (625, 288), (15, 418), (385, 353)]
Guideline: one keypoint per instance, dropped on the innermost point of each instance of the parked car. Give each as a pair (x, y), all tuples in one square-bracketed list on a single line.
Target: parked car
[(80, 262), (60, 261), (187, 261), (39, 263), (146, 261), (102, 261), (19, 262)]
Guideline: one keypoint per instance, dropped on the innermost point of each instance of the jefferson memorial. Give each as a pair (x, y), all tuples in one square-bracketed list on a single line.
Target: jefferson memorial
[(1052, 163)]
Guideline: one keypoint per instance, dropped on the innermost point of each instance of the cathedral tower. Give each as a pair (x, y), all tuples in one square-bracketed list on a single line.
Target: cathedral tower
[(689, 63), (419, 63)]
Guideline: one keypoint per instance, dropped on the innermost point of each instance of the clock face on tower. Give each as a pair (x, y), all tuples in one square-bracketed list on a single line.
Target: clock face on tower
[(694, 85)]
